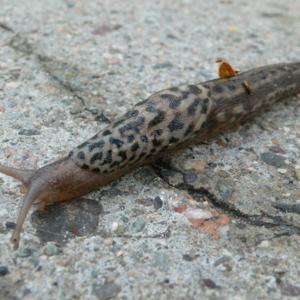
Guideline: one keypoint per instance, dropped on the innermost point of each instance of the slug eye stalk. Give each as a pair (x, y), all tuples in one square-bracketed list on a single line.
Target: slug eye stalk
[(32, 194)]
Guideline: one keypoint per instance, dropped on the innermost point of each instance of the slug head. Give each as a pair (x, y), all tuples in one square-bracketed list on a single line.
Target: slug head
[(60, 181)]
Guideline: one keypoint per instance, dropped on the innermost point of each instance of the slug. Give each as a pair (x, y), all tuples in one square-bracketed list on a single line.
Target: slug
[(168, 120)]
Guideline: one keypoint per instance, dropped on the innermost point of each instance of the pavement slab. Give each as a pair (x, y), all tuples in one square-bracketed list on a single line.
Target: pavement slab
[(220, 220)]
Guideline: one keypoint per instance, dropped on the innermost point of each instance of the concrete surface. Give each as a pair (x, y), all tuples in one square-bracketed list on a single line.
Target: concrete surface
[(220, 221)]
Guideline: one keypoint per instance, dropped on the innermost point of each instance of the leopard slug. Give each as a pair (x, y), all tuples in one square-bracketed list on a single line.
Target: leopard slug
[(166, 121)]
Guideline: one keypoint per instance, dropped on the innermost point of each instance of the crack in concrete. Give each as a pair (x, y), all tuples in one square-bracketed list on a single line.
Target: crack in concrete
[(5, 27), (63, 83), (200, 193), (21, 44)]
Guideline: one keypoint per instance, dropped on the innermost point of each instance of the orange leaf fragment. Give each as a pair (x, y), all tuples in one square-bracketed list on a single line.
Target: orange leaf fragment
[(212, 225), (225, 69), (181, 209)]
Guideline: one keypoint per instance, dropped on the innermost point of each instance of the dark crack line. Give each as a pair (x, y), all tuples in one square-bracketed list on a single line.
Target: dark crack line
[(20, 44), (162, 235), (255, 220), (5, 27), (60, 82)]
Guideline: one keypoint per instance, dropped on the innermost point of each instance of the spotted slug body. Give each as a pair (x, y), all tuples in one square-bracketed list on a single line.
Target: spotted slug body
[(163, 123), (186, 113)]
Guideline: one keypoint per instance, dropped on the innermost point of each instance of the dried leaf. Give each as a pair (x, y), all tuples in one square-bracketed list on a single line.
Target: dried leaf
[(225, 69)]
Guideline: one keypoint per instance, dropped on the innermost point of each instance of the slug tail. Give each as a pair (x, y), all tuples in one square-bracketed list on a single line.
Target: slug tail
[(33, 193), (21, 175)]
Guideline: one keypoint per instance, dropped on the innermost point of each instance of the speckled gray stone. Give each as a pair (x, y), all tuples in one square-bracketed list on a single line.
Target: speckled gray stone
[(106, 291)]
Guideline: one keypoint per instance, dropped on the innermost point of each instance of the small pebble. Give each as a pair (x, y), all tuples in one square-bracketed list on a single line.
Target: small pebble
[(24, 252), (281, 171), (119, 229), (157, 202), (190, 177), (50, 249), (165, 65), (210, 283), (161, 261), (10, 225), (297, 172), (264, 244), (198, 165), (273, 159), (106, 291), (138, 225), (225, 188), (29, 132), (290, 290), (108, 242), (188, 257), (3, 270), (222, 260)]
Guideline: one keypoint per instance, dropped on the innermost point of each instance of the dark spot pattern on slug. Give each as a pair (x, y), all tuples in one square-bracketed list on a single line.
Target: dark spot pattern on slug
[(132, 126), (185, 94), (131, 113), (173, 140), (156, 143), (127, 127), (108, 158), (115, 164), (193, 107), (174, 101), (81, 155), (232, 87), (85, 166), (123, 155), (151, 108), (96, 156), (157, 119), (189, 130), (130, 138), (131, 158), (142, 155), (134, 147), (96, 170), (96, 136), (157, 132), (263, 76), (82, 145), (174, 89), (119, 122), (205, 104), (218, 88), (141, 102), (175, 124), (144, 139), (140, 121), (99, 145), (195, 89), (106, 132), (116, 142)]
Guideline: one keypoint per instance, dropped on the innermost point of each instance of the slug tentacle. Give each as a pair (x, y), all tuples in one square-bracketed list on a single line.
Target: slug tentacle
[(32, 194), (19, 174)]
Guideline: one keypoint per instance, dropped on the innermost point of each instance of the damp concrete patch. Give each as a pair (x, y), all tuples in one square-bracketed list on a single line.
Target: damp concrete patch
[(64, 221)]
